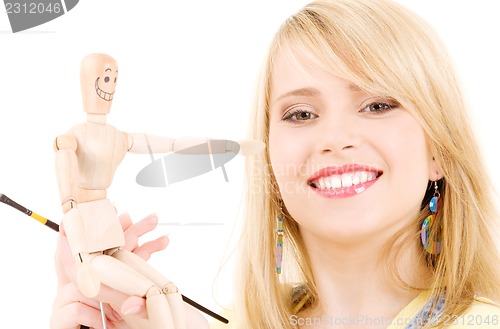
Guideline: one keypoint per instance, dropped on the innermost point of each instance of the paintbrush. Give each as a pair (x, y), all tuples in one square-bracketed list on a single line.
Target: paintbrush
[(54, 226)]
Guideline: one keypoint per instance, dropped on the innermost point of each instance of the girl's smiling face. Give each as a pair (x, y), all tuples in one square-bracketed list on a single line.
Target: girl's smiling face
[(348, 165)]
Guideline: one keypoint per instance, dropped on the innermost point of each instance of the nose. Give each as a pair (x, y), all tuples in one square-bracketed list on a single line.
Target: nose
[(337, 135)]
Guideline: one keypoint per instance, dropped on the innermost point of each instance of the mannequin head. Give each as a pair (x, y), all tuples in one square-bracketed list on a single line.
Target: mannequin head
[(98, 74)]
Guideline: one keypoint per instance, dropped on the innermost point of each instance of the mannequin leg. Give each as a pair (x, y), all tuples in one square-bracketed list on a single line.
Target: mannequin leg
[(120, 276), (168, 288)]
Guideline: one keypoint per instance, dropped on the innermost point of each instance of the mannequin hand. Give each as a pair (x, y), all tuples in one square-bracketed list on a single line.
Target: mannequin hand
[(71, 308), (250, 147)]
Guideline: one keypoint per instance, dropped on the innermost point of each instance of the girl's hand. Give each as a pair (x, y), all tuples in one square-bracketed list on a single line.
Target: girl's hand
[(71, 309)]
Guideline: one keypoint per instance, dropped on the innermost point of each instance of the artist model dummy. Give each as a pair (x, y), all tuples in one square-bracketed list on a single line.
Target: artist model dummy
[(86, 159)]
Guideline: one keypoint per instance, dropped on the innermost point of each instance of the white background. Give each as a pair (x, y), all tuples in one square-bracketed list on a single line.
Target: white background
[(186, 69)]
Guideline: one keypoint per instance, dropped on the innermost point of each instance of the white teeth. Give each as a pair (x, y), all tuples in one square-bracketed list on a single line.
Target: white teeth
[(363, 176), (346, 180), (336, 182), (371, 176)]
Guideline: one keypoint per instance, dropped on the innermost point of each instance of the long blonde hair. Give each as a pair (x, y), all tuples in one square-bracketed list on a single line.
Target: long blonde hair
[(384, 49)]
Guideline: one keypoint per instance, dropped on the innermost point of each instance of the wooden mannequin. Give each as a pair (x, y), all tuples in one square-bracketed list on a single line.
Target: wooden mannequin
[(86, 159)]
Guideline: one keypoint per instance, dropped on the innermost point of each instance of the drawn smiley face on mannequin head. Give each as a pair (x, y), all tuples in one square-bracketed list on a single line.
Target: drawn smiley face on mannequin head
[(98, 76), (106, 83)]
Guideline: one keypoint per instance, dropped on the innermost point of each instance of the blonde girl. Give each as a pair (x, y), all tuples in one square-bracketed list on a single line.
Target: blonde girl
[(364, 123)]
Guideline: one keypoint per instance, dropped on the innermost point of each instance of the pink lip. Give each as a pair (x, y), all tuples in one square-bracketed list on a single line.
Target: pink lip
[(343, 192)]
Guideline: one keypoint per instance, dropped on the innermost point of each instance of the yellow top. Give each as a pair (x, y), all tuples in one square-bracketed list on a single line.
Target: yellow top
[(483, 314)]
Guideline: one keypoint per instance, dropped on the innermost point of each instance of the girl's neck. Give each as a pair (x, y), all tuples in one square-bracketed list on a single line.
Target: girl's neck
[(357, 281)]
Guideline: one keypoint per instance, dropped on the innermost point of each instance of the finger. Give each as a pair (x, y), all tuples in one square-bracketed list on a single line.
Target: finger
[(134, 306), (65, 262), (125, 221), (61, 261), (148, 248), (145, 225), (112, 296), (62, 277), (73, 315), (69, 294), (117, 299), (61, 229), (138, 229), (111, 314)]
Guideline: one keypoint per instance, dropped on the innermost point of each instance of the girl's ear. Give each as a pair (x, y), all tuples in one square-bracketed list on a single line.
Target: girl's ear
[(435, 172)]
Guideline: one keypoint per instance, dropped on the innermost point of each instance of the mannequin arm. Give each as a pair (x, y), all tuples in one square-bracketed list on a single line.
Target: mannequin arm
[(67, 178), (144, 143), (66, 170)]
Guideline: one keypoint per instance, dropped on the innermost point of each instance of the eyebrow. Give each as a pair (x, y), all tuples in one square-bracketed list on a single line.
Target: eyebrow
[(309, 91), (353, 87)]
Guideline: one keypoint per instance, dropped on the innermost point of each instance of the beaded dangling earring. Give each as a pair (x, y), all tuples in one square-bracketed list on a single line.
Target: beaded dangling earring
[(279, 245), (432, 247)]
